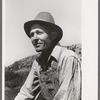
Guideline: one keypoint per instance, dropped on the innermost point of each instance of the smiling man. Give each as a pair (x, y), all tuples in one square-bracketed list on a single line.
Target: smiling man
[(56, 72), (40, 38)]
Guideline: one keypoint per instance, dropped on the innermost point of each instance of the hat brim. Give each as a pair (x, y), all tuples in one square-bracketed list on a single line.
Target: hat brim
[(29, 24)]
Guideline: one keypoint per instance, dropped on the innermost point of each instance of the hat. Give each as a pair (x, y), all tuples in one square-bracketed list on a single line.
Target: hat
[(46, 19)]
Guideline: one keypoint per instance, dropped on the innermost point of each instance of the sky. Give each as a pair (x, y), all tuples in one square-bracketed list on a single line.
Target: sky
[(16, 44)]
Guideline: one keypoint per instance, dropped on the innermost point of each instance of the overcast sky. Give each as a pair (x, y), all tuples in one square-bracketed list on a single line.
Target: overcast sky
[(67, 14)]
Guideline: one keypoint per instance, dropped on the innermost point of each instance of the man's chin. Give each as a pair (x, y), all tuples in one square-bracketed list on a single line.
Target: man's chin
[(38, 50)]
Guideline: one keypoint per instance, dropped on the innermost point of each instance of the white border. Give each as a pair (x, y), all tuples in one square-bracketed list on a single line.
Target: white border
[(90, 49)]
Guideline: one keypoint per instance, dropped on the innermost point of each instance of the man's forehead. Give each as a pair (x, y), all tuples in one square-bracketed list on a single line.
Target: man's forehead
[(37, 26), (41, 27)]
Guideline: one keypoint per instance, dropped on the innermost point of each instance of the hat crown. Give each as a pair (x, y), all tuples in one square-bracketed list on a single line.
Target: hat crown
[(45, 16)]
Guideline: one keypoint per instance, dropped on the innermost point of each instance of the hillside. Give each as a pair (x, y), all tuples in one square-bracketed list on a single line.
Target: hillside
[(16, 73)]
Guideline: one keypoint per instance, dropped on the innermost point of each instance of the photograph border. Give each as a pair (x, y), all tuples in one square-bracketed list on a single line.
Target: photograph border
[(89, 49), (98, 49), (1, 50)]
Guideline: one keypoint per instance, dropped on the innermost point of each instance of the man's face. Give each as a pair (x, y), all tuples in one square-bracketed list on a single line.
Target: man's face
[(40, 38)]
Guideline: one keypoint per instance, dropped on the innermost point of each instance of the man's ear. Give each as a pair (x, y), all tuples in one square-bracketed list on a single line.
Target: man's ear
[(54, 35)]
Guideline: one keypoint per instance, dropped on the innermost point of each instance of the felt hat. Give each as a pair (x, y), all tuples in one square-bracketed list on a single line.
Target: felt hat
[(46, 19)]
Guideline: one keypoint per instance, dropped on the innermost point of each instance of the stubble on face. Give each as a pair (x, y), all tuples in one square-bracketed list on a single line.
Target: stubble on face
[(42, 41)]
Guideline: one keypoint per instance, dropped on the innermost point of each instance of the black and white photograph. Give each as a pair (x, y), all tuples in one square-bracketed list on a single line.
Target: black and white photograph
[(42, 57), (42, 50)]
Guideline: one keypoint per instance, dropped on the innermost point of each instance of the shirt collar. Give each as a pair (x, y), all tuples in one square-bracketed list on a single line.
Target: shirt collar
[(54, 54), (56, 51)]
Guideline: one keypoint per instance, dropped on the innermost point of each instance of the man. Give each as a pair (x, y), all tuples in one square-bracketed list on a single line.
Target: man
[(55, 73)]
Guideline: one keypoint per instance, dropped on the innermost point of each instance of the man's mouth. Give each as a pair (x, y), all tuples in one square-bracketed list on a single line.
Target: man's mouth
[(37, 44)]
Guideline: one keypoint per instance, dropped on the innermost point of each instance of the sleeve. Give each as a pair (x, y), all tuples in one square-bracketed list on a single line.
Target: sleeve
[(70, 80), (31, 86)]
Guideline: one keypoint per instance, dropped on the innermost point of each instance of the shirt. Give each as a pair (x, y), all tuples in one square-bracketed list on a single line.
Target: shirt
[(64, 74)]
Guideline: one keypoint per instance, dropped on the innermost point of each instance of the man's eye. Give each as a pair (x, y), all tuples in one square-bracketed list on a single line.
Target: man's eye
[(38, 32), (32, 34)]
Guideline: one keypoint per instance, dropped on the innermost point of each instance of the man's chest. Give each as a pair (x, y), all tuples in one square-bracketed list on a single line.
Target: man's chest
[(49, 80)]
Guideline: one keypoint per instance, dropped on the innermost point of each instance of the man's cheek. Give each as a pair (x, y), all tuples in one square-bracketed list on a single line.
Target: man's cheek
[(44, 37)]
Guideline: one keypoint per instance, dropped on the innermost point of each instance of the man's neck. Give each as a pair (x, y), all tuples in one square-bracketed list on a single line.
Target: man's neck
[(45, 55)]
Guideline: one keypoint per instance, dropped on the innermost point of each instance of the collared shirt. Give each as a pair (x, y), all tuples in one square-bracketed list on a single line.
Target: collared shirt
[(61, 81)]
